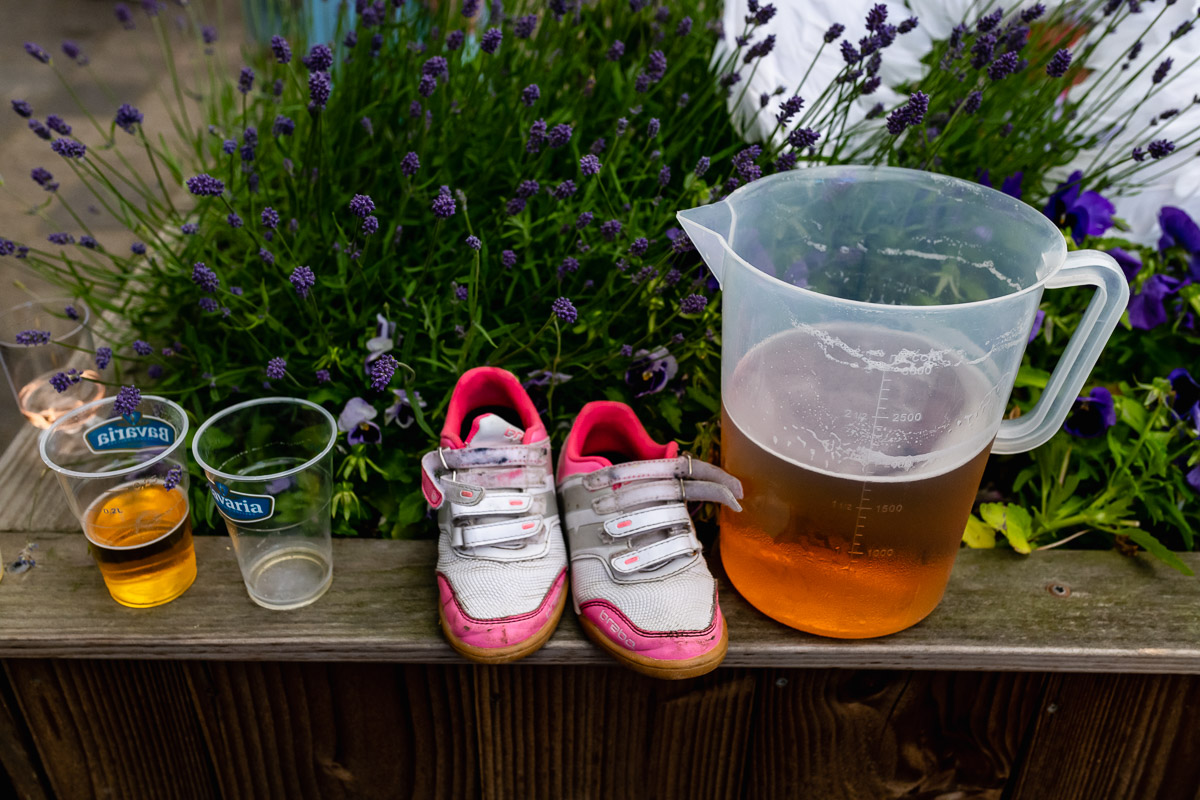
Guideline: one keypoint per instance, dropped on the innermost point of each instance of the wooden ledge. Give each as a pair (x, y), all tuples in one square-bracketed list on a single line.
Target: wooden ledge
[(1121, 615)]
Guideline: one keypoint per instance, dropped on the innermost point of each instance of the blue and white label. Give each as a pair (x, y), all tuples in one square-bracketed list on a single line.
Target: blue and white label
[(239, 507), (129, 433)]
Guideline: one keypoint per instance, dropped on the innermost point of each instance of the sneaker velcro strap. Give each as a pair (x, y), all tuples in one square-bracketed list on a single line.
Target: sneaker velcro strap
[(676, 491), (436, 464), (509, 530), (656, 553), (516, 455), (492, 502), (682, 467), (648, 519)]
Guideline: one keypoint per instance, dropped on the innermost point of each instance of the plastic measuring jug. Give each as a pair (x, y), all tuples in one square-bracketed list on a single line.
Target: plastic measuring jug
[(874, 321)]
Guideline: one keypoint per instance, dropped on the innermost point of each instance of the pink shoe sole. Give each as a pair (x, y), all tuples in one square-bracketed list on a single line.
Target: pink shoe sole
[(461, 629), (714, 642)]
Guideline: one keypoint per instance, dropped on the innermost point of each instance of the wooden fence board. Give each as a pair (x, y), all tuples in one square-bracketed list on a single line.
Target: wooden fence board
[(1100, 736), (21, 775)]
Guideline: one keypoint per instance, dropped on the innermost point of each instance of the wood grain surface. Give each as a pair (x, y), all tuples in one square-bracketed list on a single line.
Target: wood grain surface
[(998, 614)]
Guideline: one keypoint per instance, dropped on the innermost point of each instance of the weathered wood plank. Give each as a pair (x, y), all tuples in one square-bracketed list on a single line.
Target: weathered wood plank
[(337, 730), (843, 735), (113, 728), (997, 615), (1114, 736), (20, 773), (30, 497)]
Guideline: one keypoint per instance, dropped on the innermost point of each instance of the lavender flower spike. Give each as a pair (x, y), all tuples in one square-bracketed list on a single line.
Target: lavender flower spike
[(303, 279), (564, 309), (281, 49), (589, 165), (127, 400), (276, 368), (1059, 64), (202, 185), (68, 148), (127, 117), (382, 370)]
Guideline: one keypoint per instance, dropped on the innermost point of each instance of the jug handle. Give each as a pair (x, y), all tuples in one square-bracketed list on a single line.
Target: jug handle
[(1081, 268)]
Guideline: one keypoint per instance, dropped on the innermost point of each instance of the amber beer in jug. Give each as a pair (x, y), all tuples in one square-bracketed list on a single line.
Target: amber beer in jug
[(141, 537)]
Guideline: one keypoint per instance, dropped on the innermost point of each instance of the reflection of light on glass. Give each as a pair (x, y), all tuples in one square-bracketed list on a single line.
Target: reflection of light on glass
[(42, 405)]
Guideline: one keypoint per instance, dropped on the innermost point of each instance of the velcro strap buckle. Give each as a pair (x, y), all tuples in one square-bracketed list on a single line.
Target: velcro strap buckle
[(656, 553), (647, 519), (492, 502), (509, 530)]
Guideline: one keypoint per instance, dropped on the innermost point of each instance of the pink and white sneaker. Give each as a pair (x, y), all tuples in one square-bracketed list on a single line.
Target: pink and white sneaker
[(641, 587), (502, 565)]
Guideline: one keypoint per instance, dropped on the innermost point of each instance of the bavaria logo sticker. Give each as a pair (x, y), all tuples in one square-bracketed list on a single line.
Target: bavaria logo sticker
[(238, 507), (129, 433)]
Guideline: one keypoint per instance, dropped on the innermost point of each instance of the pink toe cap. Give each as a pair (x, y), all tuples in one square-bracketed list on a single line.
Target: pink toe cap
[(502, 632), (659, 645)]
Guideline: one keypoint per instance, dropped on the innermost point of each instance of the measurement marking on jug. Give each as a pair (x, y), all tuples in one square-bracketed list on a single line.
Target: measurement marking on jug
[(863, 505)]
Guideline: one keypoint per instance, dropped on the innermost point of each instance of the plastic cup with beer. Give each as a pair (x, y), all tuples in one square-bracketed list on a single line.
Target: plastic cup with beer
[(269, 466), (40, 339), (121, 463)]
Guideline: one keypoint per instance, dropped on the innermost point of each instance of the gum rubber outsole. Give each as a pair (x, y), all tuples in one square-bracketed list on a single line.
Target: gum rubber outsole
[(515, 652), (659, 668)]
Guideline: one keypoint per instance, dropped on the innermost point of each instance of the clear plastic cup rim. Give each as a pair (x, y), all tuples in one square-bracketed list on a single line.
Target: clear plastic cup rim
[(180, 438), (87, 316), (260, 402)]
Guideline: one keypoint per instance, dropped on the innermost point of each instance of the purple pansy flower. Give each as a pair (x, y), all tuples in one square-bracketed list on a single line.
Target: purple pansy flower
[(1085, 213), (1146, 309), (1129, 263), (401, 411), (1180, 230), (355, 422), (1186, 403), (651, 371), (1092, 414), (1038, 319)]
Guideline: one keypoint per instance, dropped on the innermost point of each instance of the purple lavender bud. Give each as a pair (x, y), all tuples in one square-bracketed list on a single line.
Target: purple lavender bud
[(245, 80), (189, 228), (41, 130), (103, 357), (639, 246), (1163, 68), (229, 147), (173, 477), (22, 108), (266, 255), (641, 84), (1060, 62), (1032, 13), (454, 40), (208, 304), (436, 67), (1138, 154), (530, 95), (155, 371), (382, 370), (303, 279), (61, 238), (564, 309), (975, 99), (204, 185), (322, 376), (204, 277), (568, 265), (370, 225), (283, 126), (789, 108), (693, 304), (610, 230), (584, 219), (127, 401), (622, 125), (443, 205), (982, 50), (319, 89), (474, 243), (803, 138), (319, 59), (876, 17), (652, 128), (293, 225), (57, 124), (470, 8), (656, 66), (564, 190), (490, 42), (43, 178), (281, 49), (361, 205), (560, 135), (1160, 148), (30, 338), (626, 350), (209, 34), (589, 165), (277, 368), (234, 220), (870, 85), (785, 161), (761, 49), (142, 348), (514, 206), (616, 50), (524, 27), (7, 247), (426, 86), (908, 25), (508, 258), (410, 164), (277, 87), (989, 21), (537, 136), (684, 27), (68, 148), (37, 52), (61, 381), (235, 291), (88, 242), (71, 50), (849, 54), (351, 40), (270, 218), (1002, 67), (124, 16)]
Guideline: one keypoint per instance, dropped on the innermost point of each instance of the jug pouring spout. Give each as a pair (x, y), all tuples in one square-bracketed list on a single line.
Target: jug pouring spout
[(709, 227)]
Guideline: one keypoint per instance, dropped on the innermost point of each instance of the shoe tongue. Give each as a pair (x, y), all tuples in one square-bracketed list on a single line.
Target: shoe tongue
[(491, 430)]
